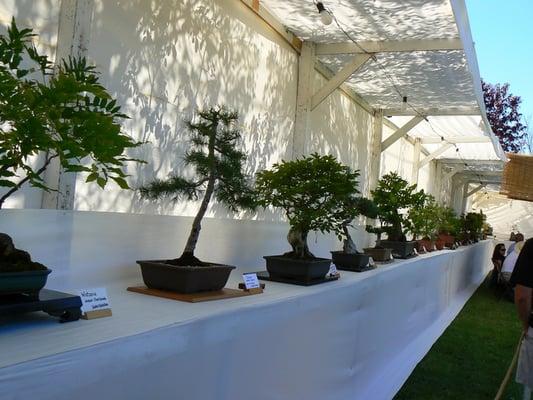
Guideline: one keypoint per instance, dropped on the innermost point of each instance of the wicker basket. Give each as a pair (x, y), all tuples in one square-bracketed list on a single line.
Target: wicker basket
[(517, 182)]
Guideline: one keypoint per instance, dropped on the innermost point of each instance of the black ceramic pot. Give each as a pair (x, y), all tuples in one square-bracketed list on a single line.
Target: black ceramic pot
[(157, 274), (294, 269)]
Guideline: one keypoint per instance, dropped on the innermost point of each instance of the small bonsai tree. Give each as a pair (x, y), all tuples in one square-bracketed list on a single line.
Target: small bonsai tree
[(392, 194), (219, 170), (424, 220), (473, 225), (313, 192), (62, 114), (449, 223), (354, 207)]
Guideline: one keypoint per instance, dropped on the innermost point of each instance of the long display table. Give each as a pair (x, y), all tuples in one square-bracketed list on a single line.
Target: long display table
[(356, 338)]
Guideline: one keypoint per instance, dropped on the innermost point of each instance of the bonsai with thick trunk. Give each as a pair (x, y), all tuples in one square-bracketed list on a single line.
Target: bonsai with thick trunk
[(60, 113), (219, 173), (313, 192)]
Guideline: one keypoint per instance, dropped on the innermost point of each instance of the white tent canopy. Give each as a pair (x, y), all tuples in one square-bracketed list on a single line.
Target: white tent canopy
[(390, 49)]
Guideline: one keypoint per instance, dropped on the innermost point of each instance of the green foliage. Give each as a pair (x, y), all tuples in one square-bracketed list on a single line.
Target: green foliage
[(391, 195), (424, 220), (449, 223), (315, 192), (66, 115), (473, 225), (214, 158)]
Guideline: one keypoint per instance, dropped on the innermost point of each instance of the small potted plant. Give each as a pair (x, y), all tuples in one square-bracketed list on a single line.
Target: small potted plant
[(448, 228), (313, 192), (378, 252), (63, 114), (473, 225), (424, 222), (394, 197), (219, 170), (350, 259)]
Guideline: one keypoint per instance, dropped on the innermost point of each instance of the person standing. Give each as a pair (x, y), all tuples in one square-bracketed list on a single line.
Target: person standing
[(522, 277), (519, 237)]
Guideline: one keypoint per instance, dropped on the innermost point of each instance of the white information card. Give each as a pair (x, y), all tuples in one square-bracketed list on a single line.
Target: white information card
[(251, 281), (94, 300), (333, 270)]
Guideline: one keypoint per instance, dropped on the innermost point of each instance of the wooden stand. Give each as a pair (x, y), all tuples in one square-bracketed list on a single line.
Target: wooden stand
[(194, 297), (97, 314)]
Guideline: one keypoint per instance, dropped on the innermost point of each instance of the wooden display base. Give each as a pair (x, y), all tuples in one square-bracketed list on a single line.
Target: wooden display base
[(97, 314), (254, 290), (265, 276), (193, 297)]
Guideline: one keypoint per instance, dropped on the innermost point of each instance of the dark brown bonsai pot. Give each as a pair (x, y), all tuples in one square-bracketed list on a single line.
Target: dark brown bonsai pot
[(378, 253), (158, 274), (349, 262), (400, 249), (424, 245), (303, 270)]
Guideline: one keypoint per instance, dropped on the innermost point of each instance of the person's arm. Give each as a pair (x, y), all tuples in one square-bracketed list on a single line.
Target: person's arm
[(522, 300)]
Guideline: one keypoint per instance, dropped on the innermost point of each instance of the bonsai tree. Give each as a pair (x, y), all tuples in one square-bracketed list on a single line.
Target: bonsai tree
[(218, 166), (473, 225), (313, 191), (392, 194), (424, 220), (63, 114), (353, 208), (449, 223)]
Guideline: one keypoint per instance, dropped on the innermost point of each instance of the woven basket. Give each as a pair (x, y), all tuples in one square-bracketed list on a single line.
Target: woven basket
[(517, 181)]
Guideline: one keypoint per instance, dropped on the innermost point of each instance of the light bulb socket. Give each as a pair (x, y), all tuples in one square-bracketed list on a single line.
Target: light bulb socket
[(320, 7)]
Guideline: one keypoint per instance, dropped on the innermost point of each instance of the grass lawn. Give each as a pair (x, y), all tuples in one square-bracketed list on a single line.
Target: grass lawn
[(470, 359)]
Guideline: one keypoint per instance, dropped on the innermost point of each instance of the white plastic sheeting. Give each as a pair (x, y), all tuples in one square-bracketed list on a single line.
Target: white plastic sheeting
[(359, 337)]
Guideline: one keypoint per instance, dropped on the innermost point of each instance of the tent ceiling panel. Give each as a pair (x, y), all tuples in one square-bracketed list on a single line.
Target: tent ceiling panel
[(429, 79), (363, 20)]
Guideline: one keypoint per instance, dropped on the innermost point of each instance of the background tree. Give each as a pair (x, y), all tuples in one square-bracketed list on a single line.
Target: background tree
[(219, 172), (63, 114), (503, 112)]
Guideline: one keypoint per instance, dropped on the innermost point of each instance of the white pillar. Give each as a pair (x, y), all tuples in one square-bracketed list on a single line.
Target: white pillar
[(416, 161), (375, 155), (75, 17), (306, 69)]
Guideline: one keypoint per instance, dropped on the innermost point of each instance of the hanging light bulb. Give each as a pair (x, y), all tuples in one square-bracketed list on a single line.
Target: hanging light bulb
[(404, 103), (325, 16)]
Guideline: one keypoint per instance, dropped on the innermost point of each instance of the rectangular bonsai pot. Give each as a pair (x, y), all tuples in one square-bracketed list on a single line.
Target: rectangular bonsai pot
[(378, 254), (349, 262), (400, 249), (295, 269), (157, 274), (23, 282)]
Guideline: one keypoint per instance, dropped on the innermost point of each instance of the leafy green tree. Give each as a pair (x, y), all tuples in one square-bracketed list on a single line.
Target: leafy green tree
[(424, 220), (64, 114), (392, 195), (313, 192), (219, 170)]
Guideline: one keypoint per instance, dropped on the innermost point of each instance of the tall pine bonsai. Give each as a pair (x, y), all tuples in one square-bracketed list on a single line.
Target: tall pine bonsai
[(219, 172)]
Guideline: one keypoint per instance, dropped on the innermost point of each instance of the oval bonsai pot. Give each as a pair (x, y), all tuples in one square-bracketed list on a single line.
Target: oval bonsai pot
[(448, 240), (378, 253), (284, 267), (158, 274), (23, 282), (400, 249), (349, 262)]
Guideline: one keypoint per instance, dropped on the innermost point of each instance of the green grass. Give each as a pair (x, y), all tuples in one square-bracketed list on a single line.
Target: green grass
[(470, 359)]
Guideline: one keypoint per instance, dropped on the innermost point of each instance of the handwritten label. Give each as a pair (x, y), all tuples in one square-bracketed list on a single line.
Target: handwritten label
[(250, 281), (424, 249), (94, 299), (371, 262), (391, 257), (333, 270), (415, 252)]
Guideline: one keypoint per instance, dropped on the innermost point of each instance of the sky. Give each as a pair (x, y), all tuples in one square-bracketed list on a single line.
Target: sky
[(503, 36)]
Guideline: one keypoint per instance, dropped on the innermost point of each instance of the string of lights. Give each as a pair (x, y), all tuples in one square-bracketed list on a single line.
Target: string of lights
[(327, 16)]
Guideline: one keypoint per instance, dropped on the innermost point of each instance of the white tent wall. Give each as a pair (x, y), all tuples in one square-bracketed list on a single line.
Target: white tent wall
[(43, 17), (504, 214)]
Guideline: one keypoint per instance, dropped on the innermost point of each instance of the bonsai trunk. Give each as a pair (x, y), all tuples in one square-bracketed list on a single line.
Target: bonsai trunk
[(297, 238), (348, 244), (187, 257), (396, 233)]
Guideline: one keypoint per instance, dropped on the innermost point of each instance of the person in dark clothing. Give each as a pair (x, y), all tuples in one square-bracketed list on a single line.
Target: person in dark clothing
[(522, 277), (498, 256)]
